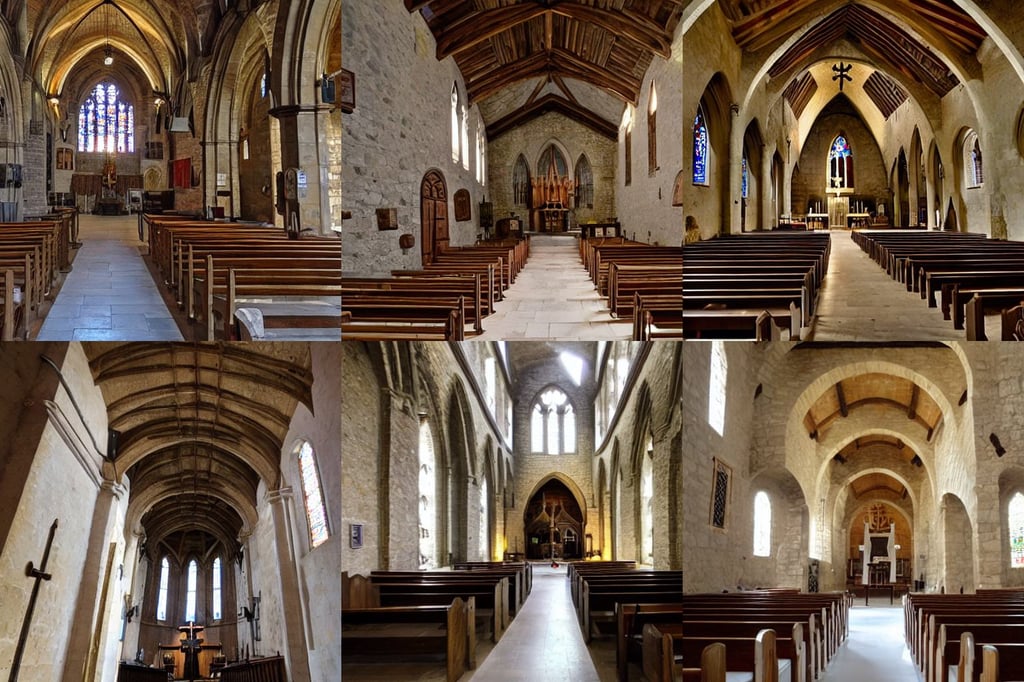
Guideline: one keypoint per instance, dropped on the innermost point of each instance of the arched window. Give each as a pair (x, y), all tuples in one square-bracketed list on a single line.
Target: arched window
[(584, 183), (627, 144), (744, 180), (700, 149), (974, 174), (840, 164), (652, 131), (161, 599), (316, 512), (455, 123), (106, 123), (716, 387), (263, 85), (217, 592), (1015, 522), (485, 526), (428, 498), (481, 151), (552, 424), (762, 524), (491, 385), (521, 182), (190, 592), (552, 163), (647, 504), (464, 137)]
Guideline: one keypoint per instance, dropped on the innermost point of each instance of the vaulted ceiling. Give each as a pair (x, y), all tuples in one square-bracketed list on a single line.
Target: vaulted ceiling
[(557, 46), (912, 38), (200, 427)]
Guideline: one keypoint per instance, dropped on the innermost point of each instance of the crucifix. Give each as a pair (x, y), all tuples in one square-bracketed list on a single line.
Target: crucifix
[(37, 574), (842, 72), (191, 645)]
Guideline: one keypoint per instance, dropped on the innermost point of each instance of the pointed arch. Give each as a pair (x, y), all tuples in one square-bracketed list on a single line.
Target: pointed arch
[(840, 163), (312, 495), (584, 176), (521, 193)]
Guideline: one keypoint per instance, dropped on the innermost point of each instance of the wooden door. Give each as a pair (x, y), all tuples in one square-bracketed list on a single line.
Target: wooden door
[(433, 215)]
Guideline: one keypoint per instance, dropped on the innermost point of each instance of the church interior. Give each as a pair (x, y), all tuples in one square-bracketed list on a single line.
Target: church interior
[(120, 116), (176, 506), (857, 473)]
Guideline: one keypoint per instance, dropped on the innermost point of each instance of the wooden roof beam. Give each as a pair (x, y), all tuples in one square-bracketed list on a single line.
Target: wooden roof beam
[(475, 28), (646, 33), (843, 408), (770, 23), (912, 408), (553, 103)]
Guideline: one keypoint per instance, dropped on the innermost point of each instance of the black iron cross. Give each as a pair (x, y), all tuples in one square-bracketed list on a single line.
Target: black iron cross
[(842, 73)]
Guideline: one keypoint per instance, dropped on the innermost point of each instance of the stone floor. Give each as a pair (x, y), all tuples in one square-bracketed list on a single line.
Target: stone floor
[(858, 301), (109, 295), (553, 298), (875, 649)]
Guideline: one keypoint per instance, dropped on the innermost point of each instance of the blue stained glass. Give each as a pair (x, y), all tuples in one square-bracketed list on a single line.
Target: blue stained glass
[(744, 177), (106, 124), (700, 150), (840, 148)]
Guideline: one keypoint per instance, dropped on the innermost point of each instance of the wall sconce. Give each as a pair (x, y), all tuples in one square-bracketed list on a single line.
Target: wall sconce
[(53, 99), (387, 218)]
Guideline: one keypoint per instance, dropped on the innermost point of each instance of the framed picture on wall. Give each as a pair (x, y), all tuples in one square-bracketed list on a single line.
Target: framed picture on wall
[(347, 91)]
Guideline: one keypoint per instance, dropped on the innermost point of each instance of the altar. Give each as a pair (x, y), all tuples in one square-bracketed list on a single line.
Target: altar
[(191, 657)]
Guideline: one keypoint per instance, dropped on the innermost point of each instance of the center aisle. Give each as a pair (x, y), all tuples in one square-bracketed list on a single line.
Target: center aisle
[(553, 298), (858, 301), (544, 641), (875, 649), (109, 294)]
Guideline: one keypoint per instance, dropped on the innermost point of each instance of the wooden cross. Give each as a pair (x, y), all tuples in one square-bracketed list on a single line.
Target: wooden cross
[(37, 574), (842, 73)]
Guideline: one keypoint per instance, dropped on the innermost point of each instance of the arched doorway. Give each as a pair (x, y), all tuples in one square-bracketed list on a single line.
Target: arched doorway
[(958, 536), (433, 215), (553, 523)]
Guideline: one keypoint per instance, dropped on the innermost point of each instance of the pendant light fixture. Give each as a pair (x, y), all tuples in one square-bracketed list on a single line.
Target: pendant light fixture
[(108, 54)]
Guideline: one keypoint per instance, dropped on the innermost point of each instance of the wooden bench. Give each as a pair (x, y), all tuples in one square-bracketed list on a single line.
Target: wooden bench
[(762, 655), (388, 633), (403, 318), (657, 316), (133, 672), (1008, 656)]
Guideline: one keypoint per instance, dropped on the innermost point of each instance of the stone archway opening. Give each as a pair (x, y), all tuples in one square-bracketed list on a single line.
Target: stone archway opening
[(553, 523)]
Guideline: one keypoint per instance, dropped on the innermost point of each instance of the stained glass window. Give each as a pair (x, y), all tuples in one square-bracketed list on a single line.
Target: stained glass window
[(1015, 518), (263, 86), (521, 182), (744, 180), (316, 513), (553, 424), (106, 124), (584, 183), (428, 498), (700, 150), (190, 595), (840, 164), (161, 600), (216, 589), (973, 170)]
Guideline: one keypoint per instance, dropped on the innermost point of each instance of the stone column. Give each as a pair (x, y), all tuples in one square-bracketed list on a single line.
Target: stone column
[(766, 187), (292, 605), (96, 592), (304, 145), (399, 483), (735, 184)]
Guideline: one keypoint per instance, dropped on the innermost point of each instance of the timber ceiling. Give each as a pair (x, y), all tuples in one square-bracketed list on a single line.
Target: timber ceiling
[(524, 357), (893, 37), (498, 43), (875, 483), (200, 427), (872, 390)]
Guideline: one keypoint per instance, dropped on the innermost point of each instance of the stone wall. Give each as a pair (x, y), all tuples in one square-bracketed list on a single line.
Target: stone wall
[(530, 140), (398, 132), (645, 206), (257, 171), (360, 441)]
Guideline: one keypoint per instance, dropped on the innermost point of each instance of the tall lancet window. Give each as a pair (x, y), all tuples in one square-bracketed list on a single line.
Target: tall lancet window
[(190, 592), (700, 149), (217, 591), (161, 599), (762, 524), (428, 498), (455, 123), (652, 131), (840, 164), (316, 512), (974, 172), (1015, 522), (521, 182), (716, 387), (584, 183), (485, 517), (647, 504)]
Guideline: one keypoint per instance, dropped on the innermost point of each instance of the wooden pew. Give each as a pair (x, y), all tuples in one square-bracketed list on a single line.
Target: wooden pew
[(758, 654), (490, 598), (1012, 322), (132, 672), (1006, 655), (952, 646), (511, 590), (977, 300), (390, 632), (657, 316), (403, 318)]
